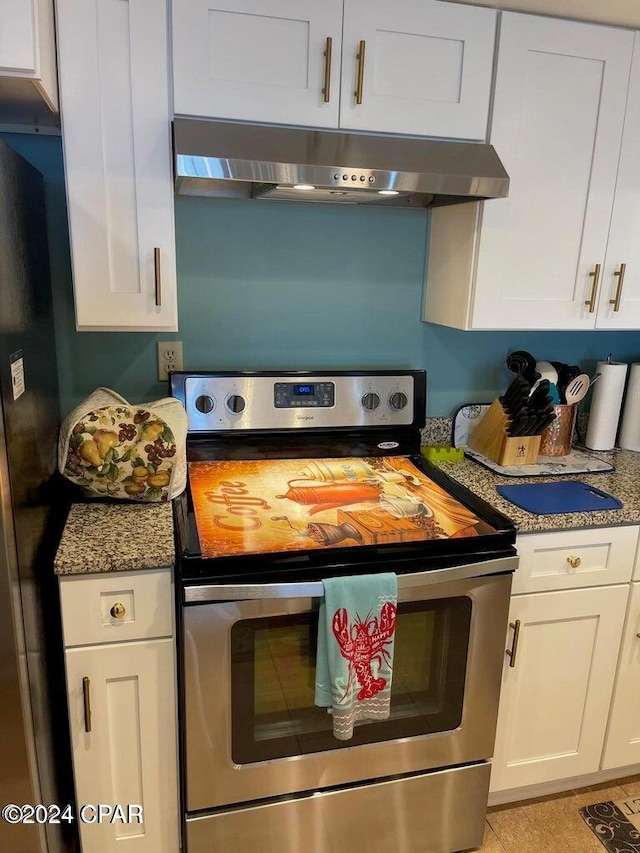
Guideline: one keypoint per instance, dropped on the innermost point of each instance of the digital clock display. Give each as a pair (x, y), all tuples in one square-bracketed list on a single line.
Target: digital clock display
[(304, 390)]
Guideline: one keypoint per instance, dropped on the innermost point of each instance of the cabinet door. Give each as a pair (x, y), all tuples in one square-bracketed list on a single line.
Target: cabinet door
[(18, 40), (258, 60), (555, 700), (623, 735), (114, 90), (624, 243), (557, 126), (426, 68), (129, 756), (27, 50)]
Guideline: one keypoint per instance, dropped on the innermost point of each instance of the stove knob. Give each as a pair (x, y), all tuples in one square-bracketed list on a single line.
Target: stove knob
[(370, 401), (236, 404), (204, 404), (398, 400)]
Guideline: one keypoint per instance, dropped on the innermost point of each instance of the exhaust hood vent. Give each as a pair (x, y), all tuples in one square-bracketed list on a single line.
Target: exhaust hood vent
[(216, 158)]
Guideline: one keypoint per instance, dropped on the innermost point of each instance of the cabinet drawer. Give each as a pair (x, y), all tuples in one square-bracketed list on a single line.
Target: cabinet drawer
[(116, 607), (575, 558)]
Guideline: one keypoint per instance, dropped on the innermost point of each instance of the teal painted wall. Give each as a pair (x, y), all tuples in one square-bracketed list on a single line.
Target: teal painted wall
[(276, 285)]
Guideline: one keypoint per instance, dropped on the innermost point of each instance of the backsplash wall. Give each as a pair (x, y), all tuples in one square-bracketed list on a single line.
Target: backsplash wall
[(278, 285)]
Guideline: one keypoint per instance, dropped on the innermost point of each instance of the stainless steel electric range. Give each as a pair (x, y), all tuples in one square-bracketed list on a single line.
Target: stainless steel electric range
[(293, 478)]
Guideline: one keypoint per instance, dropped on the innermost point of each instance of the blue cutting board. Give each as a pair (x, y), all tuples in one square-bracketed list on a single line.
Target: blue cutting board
[(560, 496)]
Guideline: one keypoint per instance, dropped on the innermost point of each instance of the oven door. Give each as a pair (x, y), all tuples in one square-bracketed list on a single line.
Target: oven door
[(252, 730)]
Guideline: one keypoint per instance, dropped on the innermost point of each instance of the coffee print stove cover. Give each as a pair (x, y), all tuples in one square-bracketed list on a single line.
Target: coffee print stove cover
[(268, 506)]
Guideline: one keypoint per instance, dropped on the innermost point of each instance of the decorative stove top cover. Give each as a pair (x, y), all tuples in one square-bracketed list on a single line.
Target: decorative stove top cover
[(268, 506)]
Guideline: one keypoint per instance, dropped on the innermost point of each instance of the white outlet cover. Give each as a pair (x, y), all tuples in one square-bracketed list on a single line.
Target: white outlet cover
[(169, 358)]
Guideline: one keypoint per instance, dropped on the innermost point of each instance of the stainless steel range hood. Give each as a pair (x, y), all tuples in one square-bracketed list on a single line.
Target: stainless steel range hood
[(216, 158)]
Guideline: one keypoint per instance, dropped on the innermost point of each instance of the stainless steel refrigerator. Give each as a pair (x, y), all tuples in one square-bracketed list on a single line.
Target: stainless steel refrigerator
[(34, 746)]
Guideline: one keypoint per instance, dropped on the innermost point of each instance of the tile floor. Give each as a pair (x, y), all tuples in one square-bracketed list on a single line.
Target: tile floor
[(552, 824)]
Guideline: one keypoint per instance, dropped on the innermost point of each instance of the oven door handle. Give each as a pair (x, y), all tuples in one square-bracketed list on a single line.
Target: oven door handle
[(204, 593)]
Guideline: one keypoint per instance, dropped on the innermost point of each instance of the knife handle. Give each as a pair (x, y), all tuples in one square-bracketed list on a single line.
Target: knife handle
[(544, 423)]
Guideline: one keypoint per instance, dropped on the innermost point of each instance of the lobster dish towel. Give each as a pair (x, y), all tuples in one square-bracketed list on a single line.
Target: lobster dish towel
[(354, 665)]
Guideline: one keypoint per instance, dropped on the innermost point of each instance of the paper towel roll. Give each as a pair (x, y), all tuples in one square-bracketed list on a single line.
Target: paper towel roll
[(605, 405), (630, 429)]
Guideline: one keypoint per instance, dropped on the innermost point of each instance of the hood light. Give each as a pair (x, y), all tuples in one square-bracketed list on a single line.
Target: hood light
[(388, 192), (303, 187)]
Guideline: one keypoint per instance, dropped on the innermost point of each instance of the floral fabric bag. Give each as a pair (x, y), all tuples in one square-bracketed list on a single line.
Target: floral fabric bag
[(112, 448)]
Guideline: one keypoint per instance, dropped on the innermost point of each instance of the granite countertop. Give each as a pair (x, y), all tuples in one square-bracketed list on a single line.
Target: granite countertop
[(623, 483), (101, 537)]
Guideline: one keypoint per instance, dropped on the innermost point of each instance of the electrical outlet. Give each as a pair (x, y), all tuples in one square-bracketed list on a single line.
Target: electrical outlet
[(169, 358)]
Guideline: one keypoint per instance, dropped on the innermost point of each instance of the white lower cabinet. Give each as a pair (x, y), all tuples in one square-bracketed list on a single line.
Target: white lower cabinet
[(122, 710), (557, 684), (128, 756), (622, 746)]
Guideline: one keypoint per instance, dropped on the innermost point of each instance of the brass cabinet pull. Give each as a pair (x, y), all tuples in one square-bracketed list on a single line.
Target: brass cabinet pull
[(514, 645), (360, 83), (326, 90), (156, 261), (118, 610), (591, 302), (638, 636), (574, 562), (616, 299), (87, 703)]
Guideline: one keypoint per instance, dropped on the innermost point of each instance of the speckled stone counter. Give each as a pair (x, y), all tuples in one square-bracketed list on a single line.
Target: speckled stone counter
[(116, 538), (623, 483)]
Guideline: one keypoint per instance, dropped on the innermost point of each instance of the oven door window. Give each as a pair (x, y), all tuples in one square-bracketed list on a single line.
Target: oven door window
[(273, 681)]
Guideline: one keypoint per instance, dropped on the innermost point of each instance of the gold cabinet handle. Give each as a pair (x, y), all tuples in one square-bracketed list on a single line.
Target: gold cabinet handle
[(620, 276), (514, 644), (87, 703), (638, 636), (360, 83), (158, 278), (326, 89), (118, 610), (591, 302), (574, 562)]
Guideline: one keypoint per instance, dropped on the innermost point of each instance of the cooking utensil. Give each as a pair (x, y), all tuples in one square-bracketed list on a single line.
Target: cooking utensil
[(518, 388), (545, 418), (577, 389), (554, 394), (531, 413), (522, 362), (539, 397), (547, 371), (566, 373)]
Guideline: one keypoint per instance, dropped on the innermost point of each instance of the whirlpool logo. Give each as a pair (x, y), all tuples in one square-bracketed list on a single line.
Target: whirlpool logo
[(305, 418)]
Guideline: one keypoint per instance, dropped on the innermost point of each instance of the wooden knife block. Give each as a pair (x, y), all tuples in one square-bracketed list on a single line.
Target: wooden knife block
[(490, 438)]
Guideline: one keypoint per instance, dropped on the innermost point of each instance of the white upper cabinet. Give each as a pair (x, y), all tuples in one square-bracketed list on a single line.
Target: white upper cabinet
[(415, 67), (619, 297), (259, 60), (28, 82), (114, 91), (426, 68), (535, 259)]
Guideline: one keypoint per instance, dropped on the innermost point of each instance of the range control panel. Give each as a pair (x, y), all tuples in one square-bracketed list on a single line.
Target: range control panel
[(217, 402), (294, 395)]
